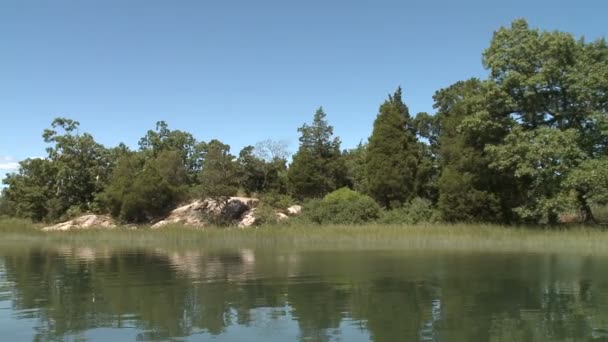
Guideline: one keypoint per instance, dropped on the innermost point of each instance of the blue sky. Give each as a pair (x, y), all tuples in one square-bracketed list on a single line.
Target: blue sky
[(242, 71)]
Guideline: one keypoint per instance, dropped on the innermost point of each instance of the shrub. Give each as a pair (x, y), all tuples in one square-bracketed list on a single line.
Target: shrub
[(277, 201), (343, 206), (265, 214), (418, 210)]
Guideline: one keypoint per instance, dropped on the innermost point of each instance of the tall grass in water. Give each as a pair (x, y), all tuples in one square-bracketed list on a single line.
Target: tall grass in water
[(460, 237)]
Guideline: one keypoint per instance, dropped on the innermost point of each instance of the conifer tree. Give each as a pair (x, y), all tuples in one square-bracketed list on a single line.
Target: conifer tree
[(317, 168), (392, 154)]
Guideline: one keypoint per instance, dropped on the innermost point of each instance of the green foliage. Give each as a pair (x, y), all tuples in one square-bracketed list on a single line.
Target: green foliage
[(551, 78), (81, 166), (317, 167), (277, 201), (427, 173), (556, 87), (461, 201), (418, 210), (392, 154), (31, 191), (469, 190), (260, 175), (265, 214), (141, 191), (591, 178), (219, 176), (7, 208), (589, 184), (343, 206), (541, 159), (183, 143), (354, 161)]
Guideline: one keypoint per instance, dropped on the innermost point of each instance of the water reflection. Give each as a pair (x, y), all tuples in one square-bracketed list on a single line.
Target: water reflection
[(95, 293)]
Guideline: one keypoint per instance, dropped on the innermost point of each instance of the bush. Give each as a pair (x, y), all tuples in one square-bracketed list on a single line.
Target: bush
[(343, 206), (265, 214), (418, 210), (277, 201)]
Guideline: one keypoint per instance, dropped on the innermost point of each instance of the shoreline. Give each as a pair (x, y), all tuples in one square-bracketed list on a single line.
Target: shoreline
[(429, 237)]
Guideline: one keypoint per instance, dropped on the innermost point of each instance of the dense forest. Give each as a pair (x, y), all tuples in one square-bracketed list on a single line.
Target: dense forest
[(529, 144)]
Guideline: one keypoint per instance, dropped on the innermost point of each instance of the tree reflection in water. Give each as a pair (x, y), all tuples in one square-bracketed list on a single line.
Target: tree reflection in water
[(317, 296)]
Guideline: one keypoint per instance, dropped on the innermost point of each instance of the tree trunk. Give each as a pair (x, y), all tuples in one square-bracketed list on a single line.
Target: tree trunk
[(585, 210)]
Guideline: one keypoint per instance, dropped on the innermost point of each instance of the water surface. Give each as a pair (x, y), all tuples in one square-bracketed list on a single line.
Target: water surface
[(78, 293)]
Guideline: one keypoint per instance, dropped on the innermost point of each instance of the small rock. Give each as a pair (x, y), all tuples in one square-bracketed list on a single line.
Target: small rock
[(84, 222), (248, 219), (294, 210), (282, 217)]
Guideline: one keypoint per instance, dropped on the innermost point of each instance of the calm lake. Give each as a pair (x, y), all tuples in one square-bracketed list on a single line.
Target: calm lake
[(103, 294)]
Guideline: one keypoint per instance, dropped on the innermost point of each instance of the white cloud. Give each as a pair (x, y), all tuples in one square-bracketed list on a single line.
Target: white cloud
[(8, 163)]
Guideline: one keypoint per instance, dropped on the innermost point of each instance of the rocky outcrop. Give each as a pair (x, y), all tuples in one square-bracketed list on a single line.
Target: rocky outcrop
[(201, 213), (248, 219), (235, 210), (84, 222)]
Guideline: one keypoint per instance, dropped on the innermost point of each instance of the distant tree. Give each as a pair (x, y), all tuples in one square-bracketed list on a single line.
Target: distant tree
[(30, 192), (427, 128), (7, 208), (143, 190), (82, 164), (354, 160), (392, 154), (317, 168), (219, 176), (183, 143), (270, 150), (261, 175)]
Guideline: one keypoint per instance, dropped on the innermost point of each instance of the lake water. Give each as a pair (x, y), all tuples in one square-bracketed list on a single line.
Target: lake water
[(100, 294)]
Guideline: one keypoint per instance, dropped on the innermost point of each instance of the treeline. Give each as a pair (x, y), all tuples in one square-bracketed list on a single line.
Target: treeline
[(525, 145)]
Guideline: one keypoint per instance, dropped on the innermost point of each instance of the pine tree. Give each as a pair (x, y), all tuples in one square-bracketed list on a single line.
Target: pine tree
[(317, 167), (392, 155)]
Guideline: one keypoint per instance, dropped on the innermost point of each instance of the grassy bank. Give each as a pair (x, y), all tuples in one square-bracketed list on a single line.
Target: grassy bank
[(473, 237)]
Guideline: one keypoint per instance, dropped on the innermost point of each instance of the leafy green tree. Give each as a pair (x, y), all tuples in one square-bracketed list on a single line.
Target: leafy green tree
[(552, 79), (7, 208), (143, 190), (469, 190), (31, 191), (392, 154), (557, 85), (219, 176), (82, 166), (541, 159), (317, 168), (354, 160), (260, 175), (183, 143), (589, 184), (428, 128)]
